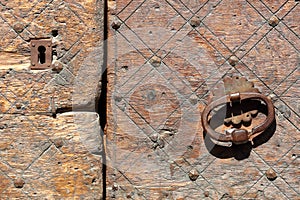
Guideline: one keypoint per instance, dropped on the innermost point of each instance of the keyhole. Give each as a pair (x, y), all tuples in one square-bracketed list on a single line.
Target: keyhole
[(42, 55)]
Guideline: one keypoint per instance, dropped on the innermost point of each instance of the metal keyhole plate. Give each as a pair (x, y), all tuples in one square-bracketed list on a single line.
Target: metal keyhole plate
[(41, 53)]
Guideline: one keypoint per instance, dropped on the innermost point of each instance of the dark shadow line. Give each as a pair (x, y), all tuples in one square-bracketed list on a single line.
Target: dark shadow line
[(102, 101)]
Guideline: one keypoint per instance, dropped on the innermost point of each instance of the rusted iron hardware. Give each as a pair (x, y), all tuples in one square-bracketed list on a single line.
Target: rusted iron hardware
[(41, 53), (235, 90)]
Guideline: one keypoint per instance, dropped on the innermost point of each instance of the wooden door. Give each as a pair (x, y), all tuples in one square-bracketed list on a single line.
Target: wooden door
[(43, 151), (164, 59)]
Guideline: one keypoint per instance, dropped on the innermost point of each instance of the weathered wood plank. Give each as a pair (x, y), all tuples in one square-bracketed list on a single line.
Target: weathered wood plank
[(164, 60), (55, 158), (48, 149)]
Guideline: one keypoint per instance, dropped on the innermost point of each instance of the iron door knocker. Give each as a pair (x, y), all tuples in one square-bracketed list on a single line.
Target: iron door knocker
[(236, 90)]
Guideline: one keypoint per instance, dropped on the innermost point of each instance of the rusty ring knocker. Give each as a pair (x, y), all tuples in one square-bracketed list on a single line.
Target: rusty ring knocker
[(237, 89)]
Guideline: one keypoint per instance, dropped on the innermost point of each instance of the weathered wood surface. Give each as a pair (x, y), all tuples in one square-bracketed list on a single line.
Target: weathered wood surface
[(50, 156), (50, 143), (164, 58)]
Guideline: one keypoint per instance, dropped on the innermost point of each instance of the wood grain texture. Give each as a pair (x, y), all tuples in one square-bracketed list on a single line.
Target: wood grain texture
[(51, 147), (165, 59), (49, 155)]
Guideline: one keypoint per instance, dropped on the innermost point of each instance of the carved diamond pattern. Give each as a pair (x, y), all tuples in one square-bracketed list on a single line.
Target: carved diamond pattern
[(160, 19), (4, 104), (274, 5), (233, 22), (194, 5), (292, 18), (270, 56), (291, 99), (4, 29), (20, 8), (272, 192), (181, 8), (22, 11), (4, 182), (281, 142), (126, 8), (228, 180), (23, 147), (291, 173), (38, 21), (63, 22)]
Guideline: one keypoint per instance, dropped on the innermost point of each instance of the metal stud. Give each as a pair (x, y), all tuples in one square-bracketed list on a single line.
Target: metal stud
[(19, 183), (193, 174), (116, 24), (233, 60), (195, 22), (271, 174), (273, 21), (155, 61)]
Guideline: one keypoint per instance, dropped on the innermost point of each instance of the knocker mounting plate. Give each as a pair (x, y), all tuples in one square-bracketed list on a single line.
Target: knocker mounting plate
[(233, 94)]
